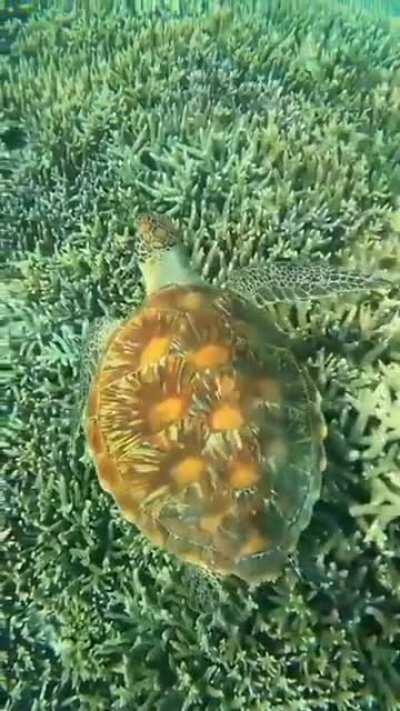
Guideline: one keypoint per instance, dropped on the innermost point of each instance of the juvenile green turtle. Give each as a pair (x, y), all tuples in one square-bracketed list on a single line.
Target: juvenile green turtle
[(202, 424)]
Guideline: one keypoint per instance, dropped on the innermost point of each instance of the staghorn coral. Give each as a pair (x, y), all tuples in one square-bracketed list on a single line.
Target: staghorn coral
[(267, 135)]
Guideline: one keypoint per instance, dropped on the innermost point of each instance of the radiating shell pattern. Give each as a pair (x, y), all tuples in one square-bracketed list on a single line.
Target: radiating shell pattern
[(207, 432)]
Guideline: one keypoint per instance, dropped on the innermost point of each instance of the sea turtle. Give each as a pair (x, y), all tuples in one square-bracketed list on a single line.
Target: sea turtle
[(202, 424)]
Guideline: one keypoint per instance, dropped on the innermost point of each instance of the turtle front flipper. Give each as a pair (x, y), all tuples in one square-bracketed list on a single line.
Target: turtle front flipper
[(95, 335), (290, 282)]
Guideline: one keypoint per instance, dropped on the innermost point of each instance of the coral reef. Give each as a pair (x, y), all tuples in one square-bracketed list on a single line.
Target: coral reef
[(269, 130)]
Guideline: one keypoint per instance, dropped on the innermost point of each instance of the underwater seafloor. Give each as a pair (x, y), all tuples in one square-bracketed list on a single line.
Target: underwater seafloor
[(267, 130)]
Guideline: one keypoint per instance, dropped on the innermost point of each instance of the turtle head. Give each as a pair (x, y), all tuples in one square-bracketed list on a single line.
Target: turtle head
[(161, 254)]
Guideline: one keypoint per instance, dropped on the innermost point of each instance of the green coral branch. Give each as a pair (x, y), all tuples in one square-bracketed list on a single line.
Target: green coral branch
[(383, 509)]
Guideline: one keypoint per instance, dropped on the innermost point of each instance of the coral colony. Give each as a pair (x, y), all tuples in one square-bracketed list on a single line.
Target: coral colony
[(267, 132)]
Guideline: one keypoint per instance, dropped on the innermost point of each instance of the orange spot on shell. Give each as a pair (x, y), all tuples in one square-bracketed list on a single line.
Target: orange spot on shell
[(226, 417), (210, 356), (243, 475), (189, 470), (164, 413), (155, 349)]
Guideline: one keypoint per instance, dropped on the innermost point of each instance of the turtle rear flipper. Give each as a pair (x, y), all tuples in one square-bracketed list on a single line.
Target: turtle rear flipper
[(282, 281)]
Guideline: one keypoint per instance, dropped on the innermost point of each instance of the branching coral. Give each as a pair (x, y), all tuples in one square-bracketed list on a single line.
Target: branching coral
[(272, 134)]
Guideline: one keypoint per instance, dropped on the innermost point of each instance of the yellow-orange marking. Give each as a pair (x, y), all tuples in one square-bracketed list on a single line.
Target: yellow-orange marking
[(209, 356), (226, 417), (155, 349), (164, 413), (189, 470), (243, 475)]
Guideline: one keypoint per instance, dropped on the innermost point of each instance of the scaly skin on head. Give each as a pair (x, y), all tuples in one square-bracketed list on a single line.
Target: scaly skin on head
[(161, 255)]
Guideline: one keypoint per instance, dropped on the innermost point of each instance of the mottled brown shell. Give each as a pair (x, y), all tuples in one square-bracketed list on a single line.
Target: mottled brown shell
[(206, 432)]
